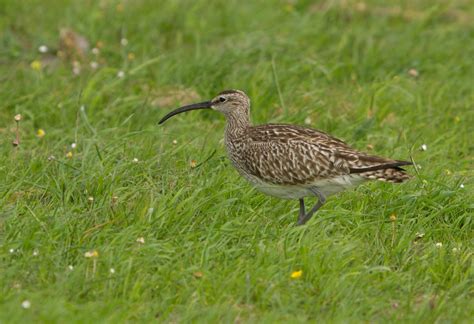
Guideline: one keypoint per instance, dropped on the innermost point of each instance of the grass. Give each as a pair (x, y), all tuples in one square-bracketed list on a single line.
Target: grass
[(214, 249)]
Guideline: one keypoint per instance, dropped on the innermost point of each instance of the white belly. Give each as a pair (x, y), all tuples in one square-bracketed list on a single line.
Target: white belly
[(327, 187)]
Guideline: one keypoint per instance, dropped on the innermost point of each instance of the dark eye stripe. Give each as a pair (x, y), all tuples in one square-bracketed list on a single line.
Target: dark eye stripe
[(222, 99)]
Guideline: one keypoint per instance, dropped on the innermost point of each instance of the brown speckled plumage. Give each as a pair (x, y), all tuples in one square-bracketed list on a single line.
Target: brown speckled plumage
[(294, 162)]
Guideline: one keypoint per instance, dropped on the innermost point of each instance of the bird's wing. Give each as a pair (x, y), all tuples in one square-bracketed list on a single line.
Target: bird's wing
[(288, 154)]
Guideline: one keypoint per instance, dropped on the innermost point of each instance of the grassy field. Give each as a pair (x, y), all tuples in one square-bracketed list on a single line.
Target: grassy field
[(140, 222)]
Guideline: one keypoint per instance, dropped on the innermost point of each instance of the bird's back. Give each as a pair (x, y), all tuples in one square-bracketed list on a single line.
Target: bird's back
[(292, 155)]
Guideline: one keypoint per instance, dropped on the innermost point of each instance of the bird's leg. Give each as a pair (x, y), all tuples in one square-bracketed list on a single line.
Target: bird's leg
[(302, 214), (307, 217)]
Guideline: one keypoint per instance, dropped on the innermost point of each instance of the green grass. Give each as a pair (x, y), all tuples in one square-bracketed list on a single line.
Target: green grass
[(215, 249)]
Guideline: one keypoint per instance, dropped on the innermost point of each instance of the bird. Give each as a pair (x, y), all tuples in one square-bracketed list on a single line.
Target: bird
[(290, 161)]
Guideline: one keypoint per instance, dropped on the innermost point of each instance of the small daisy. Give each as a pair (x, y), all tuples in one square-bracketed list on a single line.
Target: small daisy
[(43, 49), (193, 164), (308, 121), (95, 51), (423, 147), (419, 235), (35, 252), (90, 199), (112, 270), (76, 67), (120, 74), (141, 240), (17, 117), (94, 65), (124, 42), (455, 249), (11, 251), (461, 186), (73, 145), (70, 267), (135, 160), (91, 254), (26, 304), (175, 142), (151, 210), (439, 245)]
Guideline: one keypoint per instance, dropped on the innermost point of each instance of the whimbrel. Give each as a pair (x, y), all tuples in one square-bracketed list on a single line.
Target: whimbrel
[(293, 162)]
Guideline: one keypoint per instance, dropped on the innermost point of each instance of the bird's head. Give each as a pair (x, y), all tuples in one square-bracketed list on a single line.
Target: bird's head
[(228, 102)]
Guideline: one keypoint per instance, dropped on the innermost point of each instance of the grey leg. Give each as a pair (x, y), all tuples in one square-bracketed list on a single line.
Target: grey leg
[(321, 201), (302, 212)]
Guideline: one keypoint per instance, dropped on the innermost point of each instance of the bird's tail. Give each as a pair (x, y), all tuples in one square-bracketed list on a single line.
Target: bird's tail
[(390, 172)]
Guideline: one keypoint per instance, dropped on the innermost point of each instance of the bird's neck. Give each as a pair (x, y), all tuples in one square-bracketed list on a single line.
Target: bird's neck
[(237, 125)]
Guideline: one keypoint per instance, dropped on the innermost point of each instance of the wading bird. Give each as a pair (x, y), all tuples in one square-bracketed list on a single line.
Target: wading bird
[(293, 162)]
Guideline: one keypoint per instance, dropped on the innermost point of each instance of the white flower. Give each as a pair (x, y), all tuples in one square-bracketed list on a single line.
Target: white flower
[(135, 160), (91, 254), (439, 245), (461, 186), (90, 199), (95, 51), (94, 65), (26, 304), (112, 270), (70, 267), (76, 67), (35, 252), (175, 142), (423, 147), (124, 42), (83, 108), (43, 49), (141, 240), (455, 249), (120, 74), (73, 145), (307, 120), (11, 250), (151, 210)]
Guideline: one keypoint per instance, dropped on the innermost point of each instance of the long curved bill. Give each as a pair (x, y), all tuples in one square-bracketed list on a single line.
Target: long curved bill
[(200, 105)]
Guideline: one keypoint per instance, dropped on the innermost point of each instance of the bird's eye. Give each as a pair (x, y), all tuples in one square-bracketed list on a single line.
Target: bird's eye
[(222, 99)]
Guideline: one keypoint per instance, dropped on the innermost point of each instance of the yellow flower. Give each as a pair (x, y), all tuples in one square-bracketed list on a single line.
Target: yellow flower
[(69, 155), (193, 164), (296, 274), (131, 56), (36, 65), (393, 217), (40, 133), (91, 254)]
